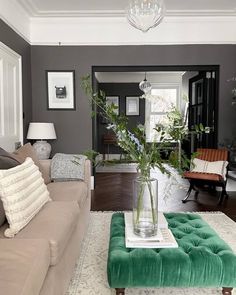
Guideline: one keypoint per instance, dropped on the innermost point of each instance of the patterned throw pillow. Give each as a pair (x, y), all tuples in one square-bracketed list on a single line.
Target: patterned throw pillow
[(23, 193)]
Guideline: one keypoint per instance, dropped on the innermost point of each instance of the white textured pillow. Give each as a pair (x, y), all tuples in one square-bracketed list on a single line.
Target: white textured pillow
[(217, 167), (23, 193)]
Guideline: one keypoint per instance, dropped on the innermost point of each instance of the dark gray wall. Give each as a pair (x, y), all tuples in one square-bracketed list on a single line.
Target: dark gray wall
[(19, 45), (74, 128), (122, 90)]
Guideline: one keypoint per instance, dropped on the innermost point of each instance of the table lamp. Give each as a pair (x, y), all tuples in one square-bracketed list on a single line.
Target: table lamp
[(41, 132)]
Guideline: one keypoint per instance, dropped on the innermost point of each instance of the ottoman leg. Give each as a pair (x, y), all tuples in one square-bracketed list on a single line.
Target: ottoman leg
[(227, 291), (120, 291)]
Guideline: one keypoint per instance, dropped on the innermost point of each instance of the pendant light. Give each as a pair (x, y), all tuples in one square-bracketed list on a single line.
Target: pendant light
[(144, 85), (145, 14)]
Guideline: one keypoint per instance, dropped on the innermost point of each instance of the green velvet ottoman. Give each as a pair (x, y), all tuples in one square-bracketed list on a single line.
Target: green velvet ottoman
[(202, 259)]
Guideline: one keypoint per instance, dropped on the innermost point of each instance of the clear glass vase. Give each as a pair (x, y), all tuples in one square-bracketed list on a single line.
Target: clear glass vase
[(145, 201)]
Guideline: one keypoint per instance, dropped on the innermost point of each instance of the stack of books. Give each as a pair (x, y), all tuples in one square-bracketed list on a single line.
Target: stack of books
[(163, 239)]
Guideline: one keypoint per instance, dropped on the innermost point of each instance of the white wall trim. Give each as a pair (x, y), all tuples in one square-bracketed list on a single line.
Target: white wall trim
[(30, 7), (34, 11), (12, 13), (9, 51), (112, 28), (18, 57), (92, 183), (116, 31)]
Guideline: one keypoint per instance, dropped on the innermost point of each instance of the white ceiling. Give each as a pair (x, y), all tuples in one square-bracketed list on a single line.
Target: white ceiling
[(71, 7), (136, 77)]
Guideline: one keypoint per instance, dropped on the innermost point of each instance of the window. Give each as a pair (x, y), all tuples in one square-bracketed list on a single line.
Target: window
[(160, 101)]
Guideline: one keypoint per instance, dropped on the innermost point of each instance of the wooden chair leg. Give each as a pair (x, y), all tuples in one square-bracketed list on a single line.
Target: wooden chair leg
[(120, 291), (227, 291), (188, 193)]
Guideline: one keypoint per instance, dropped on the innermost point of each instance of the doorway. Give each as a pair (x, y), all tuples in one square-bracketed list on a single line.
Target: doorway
[(11, 114), (202, 109), (202, 94)]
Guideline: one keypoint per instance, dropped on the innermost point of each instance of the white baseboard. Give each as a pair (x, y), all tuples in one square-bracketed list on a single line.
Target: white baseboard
[(92, 183), (117, 168), (111, 156)]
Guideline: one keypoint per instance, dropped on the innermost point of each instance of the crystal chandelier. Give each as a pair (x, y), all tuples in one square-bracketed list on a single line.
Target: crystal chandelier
[(145, 14), (145, 86)]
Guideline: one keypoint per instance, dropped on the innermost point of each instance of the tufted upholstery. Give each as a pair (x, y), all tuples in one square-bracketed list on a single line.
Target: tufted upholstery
[(202, 259)]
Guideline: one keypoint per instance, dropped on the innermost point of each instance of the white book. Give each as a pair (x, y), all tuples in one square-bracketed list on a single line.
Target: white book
[(161, 220), (132, 237), (163, 239)]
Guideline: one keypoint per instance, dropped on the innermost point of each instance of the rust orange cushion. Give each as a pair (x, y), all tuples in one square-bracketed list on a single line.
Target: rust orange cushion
[(203, 176)]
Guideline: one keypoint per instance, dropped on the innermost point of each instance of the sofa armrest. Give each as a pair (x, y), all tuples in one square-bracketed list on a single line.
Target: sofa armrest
[(87, 174), (46, 164), (87, 171)]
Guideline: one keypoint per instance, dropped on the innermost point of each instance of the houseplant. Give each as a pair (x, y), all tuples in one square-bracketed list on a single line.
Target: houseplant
[(147, 155)]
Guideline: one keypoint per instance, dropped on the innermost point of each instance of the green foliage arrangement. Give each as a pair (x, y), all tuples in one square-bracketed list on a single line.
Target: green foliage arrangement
[(147, 155)]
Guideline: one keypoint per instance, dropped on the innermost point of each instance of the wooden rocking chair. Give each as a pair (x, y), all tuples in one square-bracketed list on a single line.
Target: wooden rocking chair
[(197, 179)]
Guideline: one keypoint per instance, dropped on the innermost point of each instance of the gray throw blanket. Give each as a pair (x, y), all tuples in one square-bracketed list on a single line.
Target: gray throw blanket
[(64, 168)]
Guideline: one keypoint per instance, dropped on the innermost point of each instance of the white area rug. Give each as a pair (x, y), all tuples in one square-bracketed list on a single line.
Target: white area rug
[(90, 273)]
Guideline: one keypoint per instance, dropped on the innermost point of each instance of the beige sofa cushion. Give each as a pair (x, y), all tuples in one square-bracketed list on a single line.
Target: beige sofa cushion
[(54, 223), (23, 193), (23, 266), (27, 150), (68, 191)]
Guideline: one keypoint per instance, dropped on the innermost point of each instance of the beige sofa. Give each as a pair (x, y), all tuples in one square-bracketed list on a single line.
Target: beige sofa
[(41, 258)]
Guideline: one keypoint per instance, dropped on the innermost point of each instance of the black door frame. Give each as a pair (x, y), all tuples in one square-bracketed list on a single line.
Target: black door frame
[(156, 68)]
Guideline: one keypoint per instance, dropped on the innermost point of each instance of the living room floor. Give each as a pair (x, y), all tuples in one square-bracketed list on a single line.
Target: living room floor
[(113, 192)]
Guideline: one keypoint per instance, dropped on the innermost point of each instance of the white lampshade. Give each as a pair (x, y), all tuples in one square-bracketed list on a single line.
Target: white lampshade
[(41, 131)]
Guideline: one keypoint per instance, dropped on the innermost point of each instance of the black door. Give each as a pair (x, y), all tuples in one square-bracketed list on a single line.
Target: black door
[(202, 110)]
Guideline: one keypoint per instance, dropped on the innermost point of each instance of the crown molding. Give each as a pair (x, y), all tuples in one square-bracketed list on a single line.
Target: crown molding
[(177, 28), (30, 7), (201, 13), (121, 13), (16, 17), (33, 11), (117, 31)]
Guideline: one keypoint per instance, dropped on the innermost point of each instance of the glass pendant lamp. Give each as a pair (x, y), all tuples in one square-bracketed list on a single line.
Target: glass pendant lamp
[(145, 14), (145, 86)]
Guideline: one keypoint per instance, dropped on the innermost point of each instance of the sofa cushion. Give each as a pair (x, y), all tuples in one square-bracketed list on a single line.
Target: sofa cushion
[(23, 266), (68, 191), (27, 150), (6, 162), (23, 193), (2, 214), (54, 223)]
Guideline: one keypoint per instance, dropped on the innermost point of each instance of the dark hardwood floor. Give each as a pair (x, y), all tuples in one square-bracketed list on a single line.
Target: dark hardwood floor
[(113, 192)]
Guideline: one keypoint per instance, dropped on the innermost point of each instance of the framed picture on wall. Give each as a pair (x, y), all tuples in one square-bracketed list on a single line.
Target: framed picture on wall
[(132, 105), (60, 90), (115, 101)]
